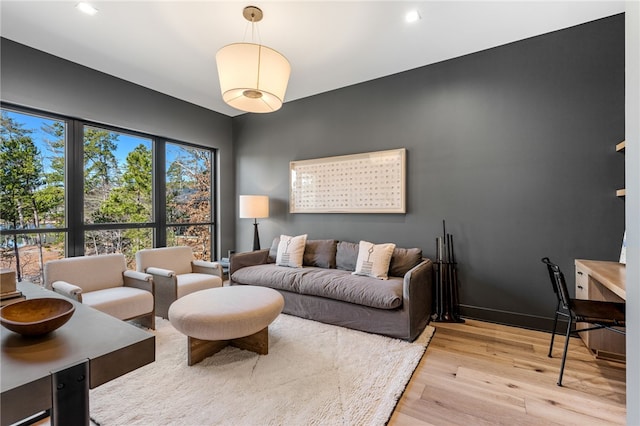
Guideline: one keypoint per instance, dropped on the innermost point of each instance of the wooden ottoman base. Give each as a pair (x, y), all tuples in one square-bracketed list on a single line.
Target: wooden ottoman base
[(218, 317), (200, 349)]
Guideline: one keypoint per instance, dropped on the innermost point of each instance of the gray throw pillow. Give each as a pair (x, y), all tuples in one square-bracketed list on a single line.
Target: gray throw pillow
[(320, 253), (347, 256), (404, 259)]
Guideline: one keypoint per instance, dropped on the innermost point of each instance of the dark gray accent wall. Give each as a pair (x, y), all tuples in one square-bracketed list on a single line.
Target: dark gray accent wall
[(513, 146), (32, 78)]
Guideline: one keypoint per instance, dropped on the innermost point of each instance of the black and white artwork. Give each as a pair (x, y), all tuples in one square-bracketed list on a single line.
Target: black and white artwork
[(372, 182)]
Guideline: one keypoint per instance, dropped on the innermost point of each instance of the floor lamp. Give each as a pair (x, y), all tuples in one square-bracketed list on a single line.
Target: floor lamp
[(254, 207)]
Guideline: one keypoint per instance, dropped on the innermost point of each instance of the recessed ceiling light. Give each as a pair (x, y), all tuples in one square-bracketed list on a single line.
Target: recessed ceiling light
[(86, 8), (412, 16)]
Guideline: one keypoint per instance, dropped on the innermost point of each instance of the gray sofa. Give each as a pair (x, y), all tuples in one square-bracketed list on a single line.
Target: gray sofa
[(325, 290)]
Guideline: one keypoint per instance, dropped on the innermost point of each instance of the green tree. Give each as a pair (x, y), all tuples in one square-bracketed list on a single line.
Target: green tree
[(137, 177), (189, 197), (100, 167), (176, 186), (52, 196), (131, 202), (20, 178)]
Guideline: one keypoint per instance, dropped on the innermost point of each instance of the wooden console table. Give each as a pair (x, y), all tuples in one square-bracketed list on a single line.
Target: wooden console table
[(600, 280), (55, 372)]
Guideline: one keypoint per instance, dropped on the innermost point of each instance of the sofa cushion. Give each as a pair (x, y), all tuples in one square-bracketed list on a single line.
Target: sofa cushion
[(291, 250), (270, 275), (330, 283), (403, 260), (374, 259), (361, 290), (346, 256), (320, 253)]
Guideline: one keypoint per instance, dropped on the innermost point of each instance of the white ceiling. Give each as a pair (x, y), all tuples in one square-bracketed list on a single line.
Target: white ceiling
[(170, 46)]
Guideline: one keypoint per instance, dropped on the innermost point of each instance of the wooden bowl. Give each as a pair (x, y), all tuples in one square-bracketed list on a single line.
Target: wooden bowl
[(35, 317)]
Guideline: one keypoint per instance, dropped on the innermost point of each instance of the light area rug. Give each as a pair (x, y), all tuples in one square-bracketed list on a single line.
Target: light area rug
[(314, 374)]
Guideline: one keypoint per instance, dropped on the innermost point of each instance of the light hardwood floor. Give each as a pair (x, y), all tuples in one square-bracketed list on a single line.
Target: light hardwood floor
[(480, 373)]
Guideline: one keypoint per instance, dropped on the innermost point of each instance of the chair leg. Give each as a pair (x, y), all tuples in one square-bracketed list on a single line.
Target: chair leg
[(148, 321), (566, 348), (553, 332)]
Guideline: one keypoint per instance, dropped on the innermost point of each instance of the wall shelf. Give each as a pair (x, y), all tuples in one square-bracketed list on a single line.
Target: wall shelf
[(621, 192), (621, 146)]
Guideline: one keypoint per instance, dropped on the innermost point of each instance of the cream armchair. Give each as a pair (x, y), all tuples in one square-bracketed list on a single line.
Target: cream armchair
[(176, 274), (104, 283)]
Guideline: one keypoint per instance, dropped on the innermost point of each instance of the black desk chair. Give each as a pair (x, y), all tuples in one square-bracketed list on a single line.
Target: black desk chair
[(597, 313)]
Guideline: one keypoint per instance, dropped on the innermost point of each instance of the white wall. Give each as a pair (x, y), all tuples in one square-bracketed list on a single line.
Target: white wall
[(632, 182)]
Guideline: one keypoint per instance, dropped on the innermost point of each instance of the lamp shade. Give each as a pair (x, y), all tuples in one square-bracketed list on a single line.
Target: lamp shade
[(253, 77), (254, 206)]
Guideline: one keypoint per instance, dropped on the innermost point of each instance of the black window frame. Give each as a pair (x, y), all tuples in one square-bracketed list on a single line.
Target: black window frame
[(75, 227)]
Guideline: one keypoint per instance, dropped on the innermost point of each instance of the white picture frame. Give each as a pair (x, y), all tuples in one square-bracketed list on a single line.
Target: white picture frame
[(371, 182)]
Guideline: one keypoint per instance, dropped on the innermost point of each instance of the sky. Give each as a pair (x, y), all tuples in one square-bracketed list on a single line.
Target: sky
[(125, 142)]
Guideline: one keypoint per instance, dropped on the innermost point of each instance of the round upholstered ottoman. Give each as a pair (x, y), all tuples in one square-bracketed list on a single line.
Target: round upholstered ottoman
[(215, 318)]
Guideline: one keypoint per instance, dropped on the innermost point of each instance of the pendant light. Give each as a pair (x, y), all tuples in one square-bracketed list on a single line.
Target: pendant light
[(253, 77)]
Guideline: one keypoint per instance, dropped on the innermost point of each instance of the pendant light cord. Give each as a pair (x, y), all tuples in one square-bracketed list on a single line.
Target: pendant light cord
[(254, 30)]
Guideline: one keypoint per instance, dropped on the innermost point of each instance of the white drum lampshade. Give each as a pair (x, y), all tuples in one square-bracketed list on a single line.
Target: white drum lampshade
[(255, 207), (253, 77)]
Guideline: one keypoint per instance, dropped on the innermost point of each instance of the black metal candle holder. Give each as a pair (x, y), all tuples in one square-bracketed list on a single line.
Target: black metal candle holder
[(447, 305)]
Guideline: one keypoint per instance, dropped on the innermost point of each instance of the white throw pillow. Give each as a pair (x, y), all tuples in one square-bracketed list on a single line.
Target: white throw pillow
[(373, 260), (291, 251)]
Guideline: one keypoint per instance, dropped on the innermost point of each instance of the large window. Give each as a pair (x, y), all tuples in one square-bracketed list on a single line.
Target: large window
[(188, 195), (97, 190), (32, 192), (118, 185)]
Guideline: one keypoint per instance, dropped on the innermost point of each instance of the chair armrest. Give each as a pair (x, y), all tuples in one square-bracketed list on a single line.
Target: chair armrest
[(138, 280), (141, 276), (204, 267), (69, 290), (417, 294), (249, 258), (159, 271)]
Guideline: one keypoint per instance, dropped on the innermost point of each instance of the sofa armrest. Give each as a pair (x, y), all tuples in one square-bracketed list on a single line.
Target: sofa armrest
[(160, 272), (250, 258), (68, 290), (138, 280), (204, 267), (417, 293)]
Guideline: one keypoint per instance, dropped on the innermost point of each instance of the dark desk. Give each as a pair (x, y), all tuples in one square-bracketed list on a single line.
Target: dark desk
[(108, 346)]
